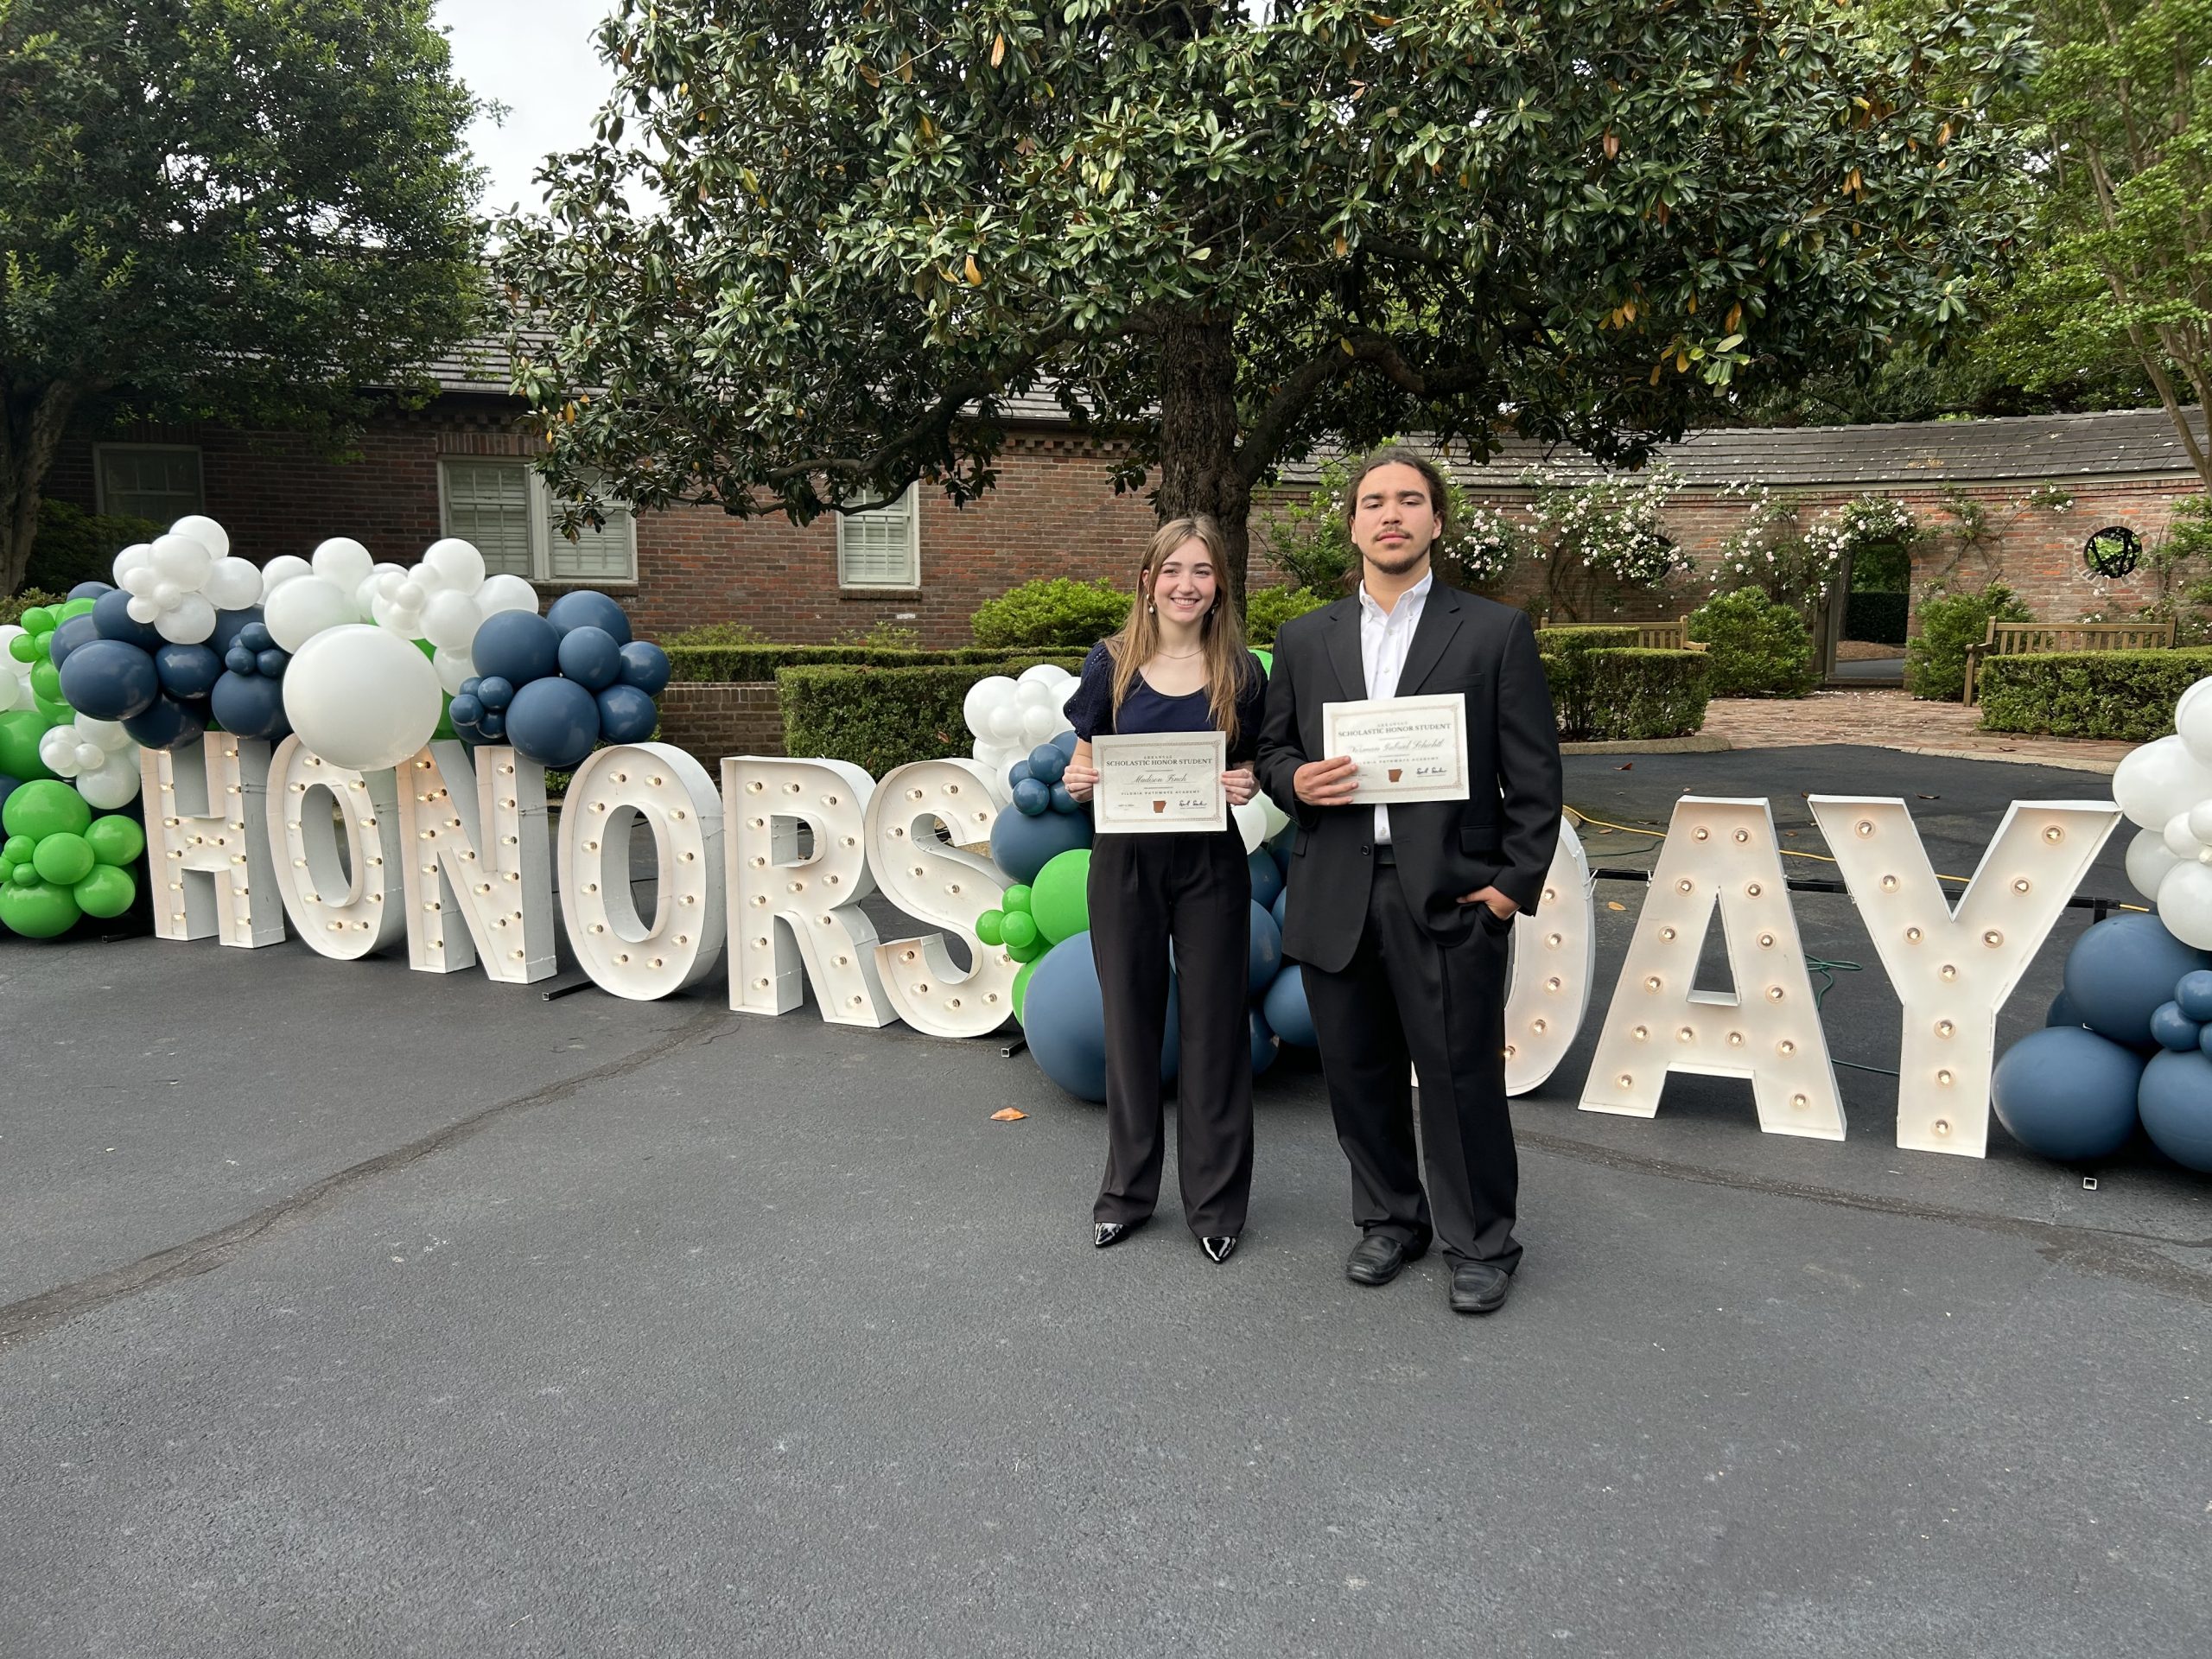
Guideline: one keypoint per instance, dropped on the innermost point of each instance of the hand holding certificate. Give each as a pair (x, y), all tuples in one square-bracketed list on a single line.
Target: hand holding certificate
[(1159, 782), (1406, 748)]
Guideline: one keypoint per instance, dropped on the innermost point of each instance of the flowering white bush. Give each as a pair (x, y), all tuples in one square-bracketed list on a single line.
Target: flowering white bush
[(1484, 543), (1611, 526)]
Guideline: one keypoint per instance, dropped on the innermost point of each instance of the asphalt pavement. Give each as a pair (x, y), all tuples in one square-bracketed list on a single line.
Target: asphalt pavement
[(350, 1311)]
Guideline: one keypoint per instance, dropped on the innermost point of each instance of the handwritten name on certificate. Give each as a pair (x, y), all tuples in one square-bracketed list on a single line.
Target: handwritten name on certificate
[(1407, 748), (1155, 783)]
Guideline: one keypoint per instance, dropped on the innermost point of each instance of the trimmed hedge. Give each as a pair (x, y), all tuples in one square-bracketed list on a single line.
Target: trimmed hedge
[(754, 664), (2128, 695), (1057, 611), (880, 718), (1618, 695), (1570, 639), (1756, 648)]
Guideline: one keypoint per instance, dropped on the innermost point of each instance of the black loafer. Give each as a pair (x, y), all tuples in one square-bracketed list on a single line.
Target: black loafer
[(1219, 1247), (1478, 1288), (1377, 1259), (1103, 1233)]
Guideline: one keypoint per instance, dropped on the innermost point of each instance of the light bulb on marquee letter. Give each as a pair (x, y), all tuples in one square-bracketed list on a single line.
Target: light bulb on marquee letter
[(1723, 854), (795, 920), (343, 909), (1954, 969), (1554, 964), (207, 857), (948, 884), (478, 870), (670, 793)]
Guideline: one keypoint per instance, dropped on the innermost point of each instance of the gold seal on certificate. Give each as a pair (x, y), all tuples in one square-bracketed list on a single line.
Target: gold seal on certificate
[(1407, 748), (1155, 783)]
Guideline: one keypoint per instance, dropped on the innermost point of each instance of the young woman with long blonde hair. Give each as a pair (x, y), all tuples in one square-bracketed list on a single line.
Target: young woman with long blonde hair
[(1178, 664)]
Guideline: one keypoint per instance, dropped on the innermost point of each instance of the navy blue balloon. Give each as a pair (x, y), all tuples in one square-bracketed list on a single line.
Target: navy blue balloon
[(89, 590), (627, 714), (2193, 991), (464, 709), (250, 705), (590, 657), (1063, 1018), (468, 686), (1265, 1047), (492, 726), (495, 693), (67, 636), (517, 646), (1267, 878), (553, 721), (1022, 845), (110, 616), (239, 660), (2066, 1093), (229, 625), (1280, 910), (1019, 773), (169, 724), (646, 665), (272, 663), (1065, 743), (2171, 1028), (2123, 968), (1285, 1008), (187, 670), (1263, 951), (1047, 763), (2062, 1012), (1064, 802), (584, 608), (255, 636), (109, 680), (1032, 799), (2175, 1098)]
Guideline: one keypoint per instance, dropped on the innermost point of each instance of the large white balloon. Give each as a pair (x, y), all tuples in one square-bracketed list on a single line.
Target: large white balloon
[(187, 622), (233, 584), (457, 565), (114, 782), (2148, 861), (1044, 674), (143, 609), (2185, 904), (504, 592), (362, 698), (182, 560), (285, 567), (139, 555), (303, 608), (140, 580), (450, 621), (982, 698), (2156, 781), (342, 561), (204, 530)]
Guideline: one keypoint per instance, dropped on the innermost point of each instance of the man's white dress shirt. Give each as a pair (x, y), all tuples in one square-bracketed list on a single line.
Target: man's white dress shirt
[(1384, 639)]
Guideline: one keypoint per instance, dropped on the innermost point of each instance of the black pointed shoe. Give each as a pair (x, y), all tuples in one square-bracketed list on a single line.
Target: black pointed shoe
[(1478, 1287), (1377, 1259), (1105, 1233), (1219, 1247)]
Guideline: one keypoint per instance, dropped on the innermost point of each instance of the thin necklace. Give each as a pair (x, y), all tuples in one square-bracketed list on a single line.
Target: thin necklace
[(1179, 655)]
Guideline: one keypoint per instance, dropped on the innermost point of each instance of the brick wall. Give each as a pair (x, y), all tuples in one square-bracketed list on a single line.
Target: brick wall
[(713, 721)]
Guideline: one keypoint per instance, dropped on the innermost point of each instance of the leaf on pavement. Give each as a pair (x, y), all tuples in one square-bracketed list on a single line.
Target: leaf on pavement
[(1007, 1115)]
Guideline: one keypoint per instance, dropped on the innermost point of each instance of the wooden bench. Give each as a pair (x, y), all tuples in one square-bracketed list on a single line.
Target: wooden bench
[(2025, 639), (1649, 636)]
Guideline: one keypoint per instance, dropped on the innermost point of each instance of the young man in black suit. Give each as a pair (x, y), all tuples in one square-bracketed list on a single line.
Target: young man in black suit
[(1400, 915)]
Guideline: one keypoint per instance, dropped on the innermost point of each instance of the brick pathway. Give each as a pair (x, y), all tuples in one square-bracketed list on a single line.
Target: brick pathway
[(1891, 720)]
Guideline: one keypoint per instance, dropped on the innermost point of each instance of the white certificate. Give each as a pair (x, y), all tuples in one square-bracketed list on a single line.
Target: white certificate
[(1154, 783), (1408, 748)]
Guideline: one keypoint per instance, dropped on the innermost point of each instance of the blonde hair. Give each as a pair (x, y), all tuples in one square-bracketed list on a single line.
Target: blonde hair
[(1220, 631)]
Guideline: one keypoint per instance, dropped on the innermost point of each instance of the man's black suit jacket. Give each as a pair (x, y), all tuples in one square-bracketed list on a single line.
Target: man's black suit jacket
[(1503, 836)]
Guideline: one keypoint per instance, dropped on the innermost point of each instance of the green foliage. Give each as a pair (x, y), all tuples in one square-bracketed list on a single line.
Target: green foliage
[(1935, 659), (1570, 639), (1757, 647), (1612, 694), (2125, 694), (12, 609), (1266, 609), (76, 546), (878, 718), (716, 634), (1312, 544), (1057, 611), (756, 664), (1603, 537), (223, 210), (815, 248)]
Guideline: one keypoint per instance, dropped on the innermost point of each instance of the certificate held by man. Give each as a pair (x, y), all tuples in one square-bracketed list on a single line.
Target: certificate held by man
[(1406, 748), (1159, 783)]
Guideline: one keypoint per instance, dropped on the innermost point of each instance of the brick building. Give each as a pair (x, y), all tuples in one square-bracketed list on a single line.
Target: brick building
[(459, 466)]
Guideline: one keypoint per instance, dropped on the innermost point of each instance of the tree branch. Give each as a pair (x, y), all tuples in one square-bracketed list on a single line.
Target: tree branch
[(1371, 352)]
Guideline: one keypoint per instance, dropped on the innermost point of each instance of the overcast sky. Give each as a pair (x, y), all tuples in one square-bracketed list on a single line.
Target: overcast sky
[(536, 57)]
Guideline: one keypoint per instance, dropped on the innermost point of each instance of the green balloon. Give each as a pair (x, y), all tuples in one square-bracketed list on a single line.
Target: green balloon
[(18, 849), (38, 622), (1266, 661), (1061, 900), (1021, 987), (23, 647), (45, 682), (116, 839), (43, 809), (54, 713), (63, 860), (77, 607), (988, 927), (1018, 932), (1029, 953), (22, 875), (20, 731), (38, 912), (107, 892), (1017, 898)]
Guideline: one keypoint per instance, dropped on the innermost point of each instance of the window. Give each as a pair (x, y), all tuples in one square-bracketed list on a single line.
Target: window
[(883, 548), (145, 481), (504, 508)]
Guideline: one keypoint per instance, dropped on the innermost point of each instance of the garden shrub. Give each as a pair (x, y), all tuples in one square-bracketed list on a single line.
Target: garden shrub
[(2128, 696), (75, 546), (743, 663), (1617, 693), (1573, 638), (1756, 648), (11, 610), (1935, 660), (1058, 612), (880, 718), (1266, 609)]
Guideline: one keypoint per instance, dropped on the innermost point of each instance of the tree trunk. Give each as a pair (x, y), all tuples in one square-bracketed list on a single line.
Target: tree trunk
[(1198, 435), (31, 420)]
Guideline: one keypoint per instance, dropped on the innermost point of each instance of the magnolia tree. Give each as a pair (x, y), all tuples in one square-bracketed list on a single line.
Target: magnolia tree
[(817, 246)]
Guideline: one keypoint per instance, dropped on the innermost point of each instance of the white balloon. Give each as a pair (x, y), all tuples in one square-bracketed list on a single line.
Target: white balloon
[(1251, 820), (453, 668), (182, 560), (2179, 841), (1002, 721), (285, 567), (409, 595), (111, 785), (343, 561), (2157, 780), (457, 564), (166, 592), (1276, 816), (140, 580), (90, 757), (395, 618), (108, 733), (233, 584), (2189, 700), (362, 698), (206, 531), (2148, 861), (504, 592), (187, 622), (2185, 904), (143, 609), (450, 620), (976, 707), (139, 555), (13, 692), (1044, 674), (1039, 726), (303, 608), (58, 749)]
